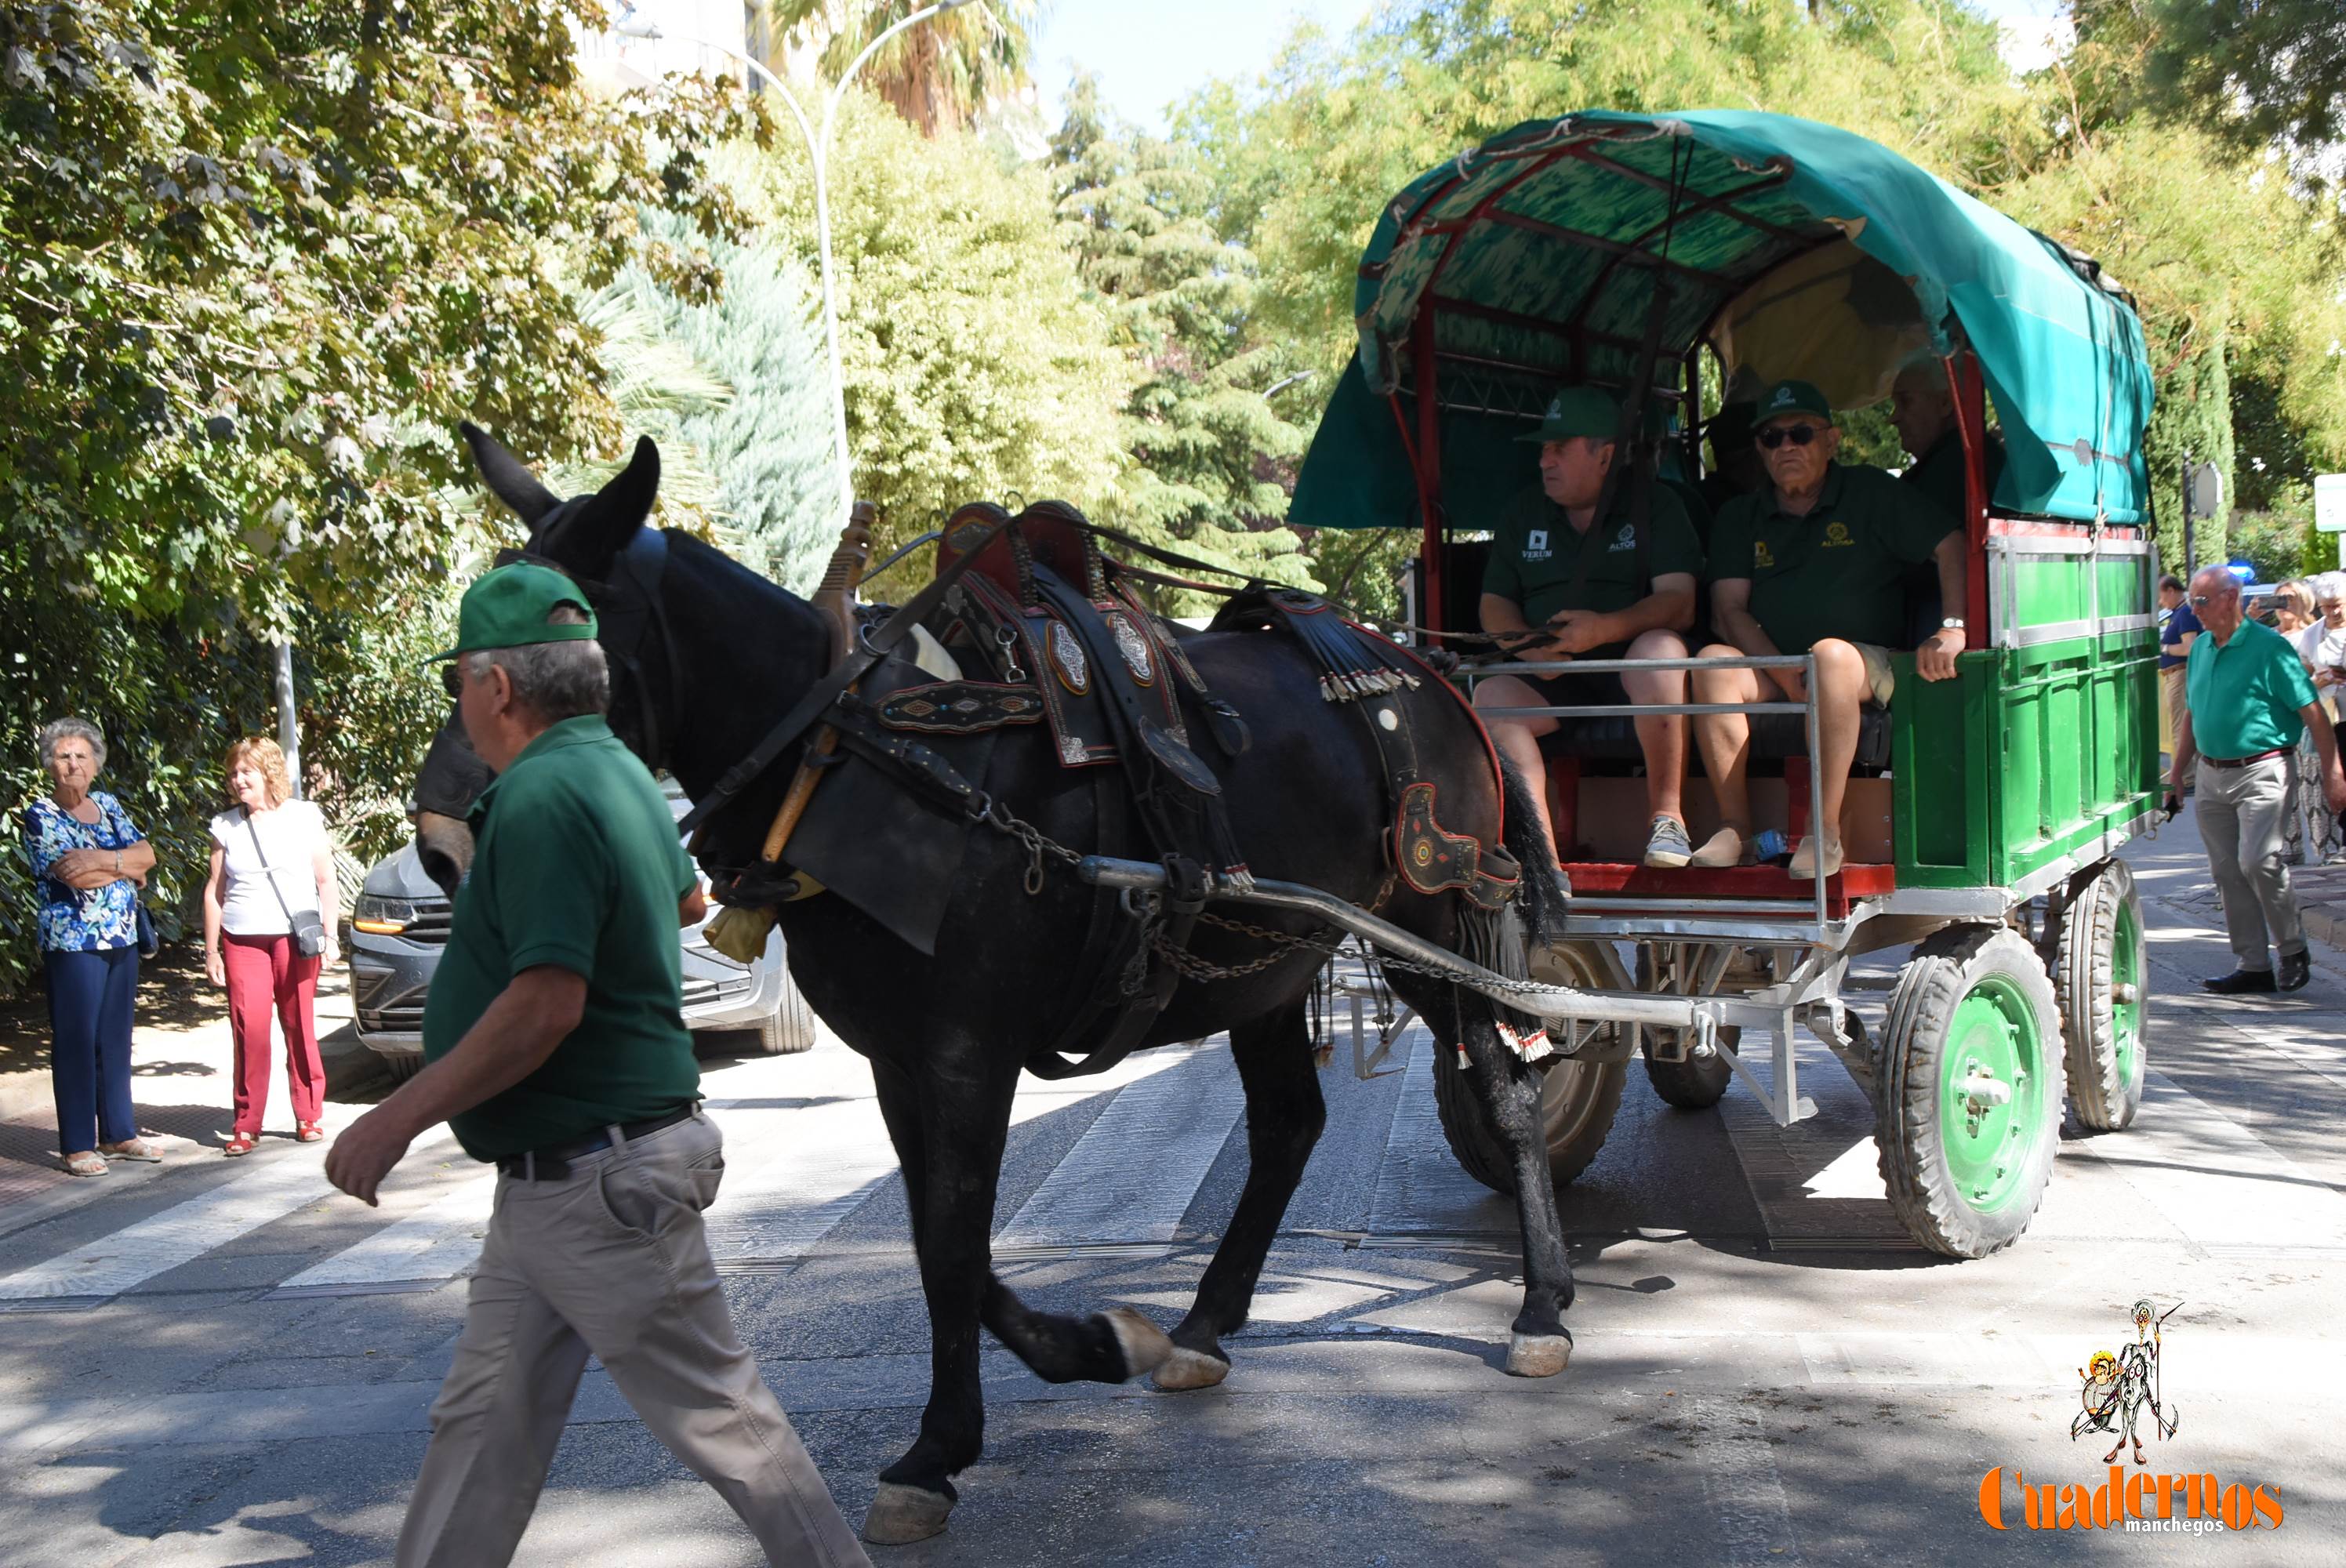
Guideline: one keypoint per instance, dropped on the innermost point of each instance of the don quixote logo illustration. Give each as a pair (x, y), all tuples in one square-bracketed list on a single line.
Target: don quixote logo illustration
[(2123, 1395)]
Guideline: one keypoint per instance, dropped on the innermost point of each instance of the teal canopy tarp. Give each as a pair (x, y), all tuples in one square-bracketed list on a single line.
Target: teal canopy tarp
[(1539, 254)]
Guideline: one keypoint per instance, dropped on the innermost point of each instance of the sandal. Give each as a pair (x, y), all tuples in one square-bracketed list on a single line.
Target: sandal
[(83, 1163), (241, 1144), (132, 1149), (308, 1132)]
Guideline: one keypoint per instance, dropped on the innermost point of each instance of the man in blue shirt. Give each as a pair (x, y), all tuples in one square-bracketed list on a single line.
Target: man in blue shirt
[(2179, 629)]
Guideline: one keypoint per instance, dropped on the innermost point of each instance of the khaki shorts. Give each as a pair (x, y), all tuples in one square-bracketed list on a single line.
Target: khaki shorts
[(1881, 680)]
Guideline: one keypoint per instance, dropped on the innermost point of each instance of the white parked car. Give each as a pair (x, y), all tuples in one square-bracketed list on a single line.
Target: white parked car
[(398, 925)]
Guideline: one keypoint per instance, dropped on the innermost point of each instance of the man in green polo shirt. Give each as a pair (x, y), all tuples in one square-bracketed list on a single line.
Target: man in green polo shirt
[(1814, 561), (1592, 590), (1922, 408), (555, 1048), (2247, 700)]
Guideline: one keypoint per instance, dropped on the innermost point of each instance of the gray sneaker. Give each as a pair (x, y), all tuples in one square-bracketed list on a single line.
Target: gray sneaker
[(1666, 845)]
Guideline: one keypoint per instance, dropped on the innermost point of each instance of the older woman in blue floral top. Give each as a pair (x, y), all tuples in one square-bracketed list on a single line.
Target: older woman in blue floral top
[(88, 861)]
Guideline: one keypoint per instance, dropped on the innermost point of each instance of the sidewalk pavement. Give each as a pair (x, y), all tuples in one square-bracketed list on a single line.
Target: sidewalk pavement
[(180, 1054)]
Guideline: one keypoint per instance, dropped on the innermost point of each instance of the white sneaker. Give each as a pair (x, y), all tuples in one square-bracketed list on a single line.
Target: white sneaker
[(1804, 859), (1722, 849)]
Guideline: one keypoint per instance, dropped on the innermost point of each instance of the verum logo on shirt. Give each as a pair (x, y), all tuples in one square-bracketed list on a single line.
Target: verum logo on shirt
[(1624, 540), (1837, 536), (1759, 556), (1535, 546)]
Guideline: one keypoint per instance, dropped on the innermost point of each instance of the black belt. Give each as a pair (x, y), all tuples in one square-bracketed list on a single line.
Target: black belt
[(2244, 761), (554, 1164)]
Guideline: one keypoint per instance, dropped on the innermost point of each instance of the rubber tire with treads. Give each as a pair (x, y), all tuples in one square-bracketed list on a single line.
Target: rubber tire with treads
[(1686, 1084), (1968, 990), (2101, 947), (1577, 1104), (791, 1028)]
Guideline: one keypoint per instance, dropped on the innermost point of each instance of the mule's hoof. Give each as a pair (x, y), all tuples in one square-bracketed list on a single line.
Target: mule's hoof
[(1537, 1355), (902, 1514), (1186, 1368), (1143, 1344)]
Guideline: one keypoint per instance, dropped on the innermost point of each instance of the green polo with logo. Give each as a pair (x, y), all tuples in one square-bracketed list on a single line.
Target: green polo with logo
[(2245, 694), (1838, 571), (577, 864), (1535, 555)]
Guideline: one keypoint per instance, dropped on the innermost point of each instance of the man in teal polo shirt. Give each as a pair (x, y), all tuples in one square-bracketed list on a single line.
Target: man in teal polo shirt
[(1592, 591), (2247, 700), (555, 1048), (1815, 561)]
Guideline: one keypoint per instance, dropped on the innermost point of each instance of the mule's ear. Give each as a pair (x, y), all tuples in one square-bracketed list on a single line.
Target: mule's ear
[(512, 482), (609, 519)]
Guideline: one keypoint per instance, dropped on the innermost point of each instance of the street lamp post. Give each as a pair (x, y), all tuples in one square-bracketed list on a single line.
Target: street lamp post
[(819, 144)]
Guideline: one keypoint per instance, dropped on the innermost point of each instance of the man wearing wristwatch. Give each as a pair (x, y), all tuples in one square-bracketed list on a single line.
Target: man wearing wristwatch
[(1815, 561)]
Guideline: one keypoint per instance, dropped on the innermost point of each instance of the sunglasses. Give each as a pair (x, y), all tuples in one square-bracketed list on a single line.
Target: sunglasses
[(1777, 436), (452, 678)]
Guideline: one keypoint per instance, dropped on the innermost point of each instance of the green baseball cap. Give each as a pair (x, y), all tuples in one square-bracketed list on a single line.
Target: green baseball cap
[(507, 609), (1788, 398), (1578, 410)]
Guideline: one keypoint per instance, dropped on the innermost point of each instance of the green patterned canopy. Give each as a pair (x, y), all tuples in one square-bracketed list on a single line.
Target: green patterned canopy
[(1794, 248)]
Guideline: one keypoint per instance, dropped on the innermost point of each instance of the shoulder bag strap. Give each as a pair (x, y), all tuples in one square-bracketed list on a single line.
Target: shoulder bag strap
[(268, 872)]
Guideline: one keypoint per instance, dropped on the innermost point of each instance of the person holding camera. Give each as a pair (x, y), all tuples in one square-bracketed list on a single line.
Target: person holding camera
[(270, 913)]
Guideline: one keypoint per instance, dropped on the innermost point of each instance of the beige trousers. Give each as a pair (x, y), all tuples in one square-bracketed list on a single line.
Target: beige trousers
[(2170, 686), (613, 1260)]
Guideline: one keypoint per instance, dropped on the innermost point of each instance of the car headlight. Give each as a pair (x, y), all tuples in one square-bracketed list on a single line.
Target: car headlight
[(380, 916)]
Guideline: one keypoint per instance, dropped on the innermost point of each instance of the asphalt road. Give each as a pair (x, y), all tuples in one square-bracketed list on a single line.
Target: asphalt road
[(228, 1364)]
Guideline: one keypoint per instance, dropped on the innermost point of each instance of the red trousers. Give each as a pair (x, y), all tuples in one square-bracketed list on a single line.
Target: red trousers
[(265, 972)]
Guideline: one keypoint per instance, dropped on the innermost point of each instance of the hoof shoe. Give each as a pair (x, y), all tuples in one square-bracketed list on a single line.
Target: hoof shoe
[(1187, 1369), (902, 1514), (1537, 1355), (1143, 1344)]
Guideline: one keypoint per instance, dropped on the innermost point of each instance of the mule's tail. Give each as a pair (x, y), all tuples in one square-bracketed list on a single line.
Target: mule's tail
[(1541, 902)]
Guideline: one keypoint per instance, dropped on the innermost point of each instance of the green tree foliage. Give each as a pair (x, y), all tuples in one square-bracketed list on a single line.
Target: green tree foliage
[(976, 367), (938, 73), (770, 443), (1208, 448), (2262, 72), (261, 258)]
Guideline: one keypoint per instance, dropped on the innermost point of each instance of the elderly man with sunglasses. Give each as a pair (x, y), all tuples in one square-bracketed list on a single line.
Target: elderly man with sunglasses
[(2247, 700), (1815, 561)]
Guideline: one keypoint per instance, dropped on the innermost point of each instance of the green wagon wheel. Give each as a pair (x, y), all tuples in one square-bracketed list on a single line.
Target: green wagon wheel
[(1969, 1109), (2101, 972)]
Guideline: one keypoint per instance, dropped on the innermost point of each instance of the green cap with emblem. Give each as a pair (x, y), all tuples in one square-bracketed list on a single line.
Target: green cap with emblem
[(1789, 398), (1578, 410), (507, 609)]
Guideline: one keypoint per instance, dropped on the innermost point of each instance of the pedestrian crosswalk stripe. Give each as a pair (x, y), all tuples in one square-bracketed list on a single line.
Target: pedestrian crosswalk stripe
[(2193, 1164), (163, 1241), (437, 1242), (1132, 1174), (1420, 1184)]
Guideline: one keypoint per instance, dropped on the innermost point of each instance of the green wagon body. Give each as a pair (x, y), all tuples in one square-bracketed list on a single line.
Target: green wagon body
[(1621, 250)]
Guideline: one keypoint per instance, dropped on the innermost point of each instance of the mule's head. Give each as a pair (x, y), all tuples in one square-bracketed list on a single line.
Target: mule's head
[(704, 652)]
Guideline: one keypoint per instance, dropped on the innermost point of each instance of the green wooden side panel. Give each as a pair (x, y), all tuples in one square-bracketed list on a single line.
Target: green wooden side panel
[(2030, 753)]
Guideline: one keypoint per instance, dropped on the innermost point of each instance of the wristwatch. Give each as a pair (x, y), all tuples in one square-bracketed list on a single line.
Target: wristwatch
[(1951, 624)]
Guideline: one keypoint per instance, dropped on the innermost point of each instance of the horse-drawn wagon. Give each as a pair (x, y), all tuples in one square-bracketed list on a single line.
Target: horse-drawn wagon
[(1683, 255)]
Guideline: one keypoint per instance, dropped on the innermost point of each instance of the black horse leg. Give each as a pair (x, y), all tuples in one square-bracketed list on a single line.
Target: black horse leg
[(1284, 1117), (1540, 1345), (963, 1120)]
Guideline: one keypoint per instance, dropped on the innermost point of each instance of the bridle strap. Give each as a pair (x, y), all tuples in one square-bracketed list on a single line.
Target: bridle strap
[(869, 648)]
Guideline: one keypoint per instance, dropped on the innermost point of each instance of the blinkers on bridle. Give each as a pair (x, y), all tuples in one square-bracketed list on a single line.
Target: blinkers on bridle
[(629, 614)]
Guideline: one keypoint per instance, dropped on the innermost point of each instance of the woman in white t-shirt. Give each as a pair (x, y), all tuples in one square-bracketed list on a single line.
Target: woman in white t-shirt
[(270, 861)]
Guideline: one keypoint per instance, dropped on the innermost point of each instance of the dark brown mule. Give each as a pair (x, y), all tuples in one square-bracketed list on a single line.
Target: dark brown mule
[(947, 1035)]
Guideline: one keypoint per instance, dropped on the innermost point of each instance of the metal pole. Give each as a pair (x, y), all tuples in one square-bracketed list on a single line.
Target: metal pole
[(289, 729), (2191, 545), (819, 153)]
